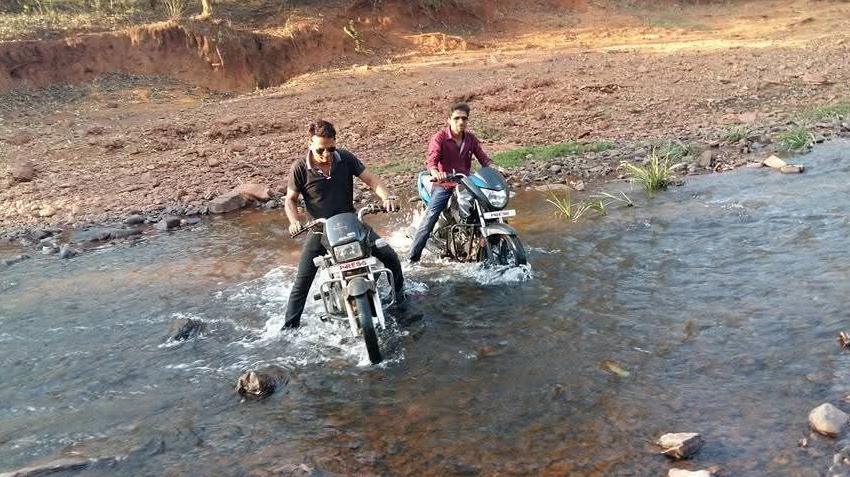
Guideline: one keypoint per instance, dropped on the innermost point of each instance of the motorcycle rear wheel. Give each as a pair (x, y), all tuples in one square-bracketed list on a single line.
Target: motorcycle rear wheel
[(506, 250), (367, 326)]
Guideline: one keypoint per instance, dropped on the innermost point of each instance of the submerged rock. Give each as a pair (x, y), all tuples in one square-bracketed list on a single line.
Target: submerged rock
[(262, 382), (65, 251), (64, 464), (680, 445), (185, 328), (828, 420), (792, 169), (14, 260)]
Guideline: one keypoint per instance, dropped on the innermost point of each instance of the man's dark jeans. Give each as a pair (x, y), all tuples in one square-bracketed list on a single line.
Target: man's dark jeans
[(307, 272), (439, 200)]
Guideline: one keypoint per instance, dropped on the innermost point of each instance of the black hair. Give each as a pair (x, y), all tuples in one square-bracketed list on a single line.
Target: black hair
[(322, 128), (459, 107)]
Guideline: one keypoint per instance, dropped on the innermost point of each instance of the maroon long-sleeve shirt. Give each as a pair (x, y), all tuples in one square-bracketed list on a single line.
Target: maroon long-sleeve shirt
[(445, 155)]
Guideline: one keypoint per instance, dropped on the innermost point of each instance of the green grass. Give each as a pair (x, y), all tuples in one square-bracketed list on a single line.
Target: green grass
[(675, 151), (840, 110), (737, 133), (654, 175), (795, 139), (516, 157)]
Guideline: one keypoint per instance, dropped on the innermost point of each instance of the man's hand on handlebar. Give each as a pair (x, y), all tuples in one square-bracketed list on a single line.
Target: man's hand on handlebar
[(391, 204), (295, 228), (438, 175)]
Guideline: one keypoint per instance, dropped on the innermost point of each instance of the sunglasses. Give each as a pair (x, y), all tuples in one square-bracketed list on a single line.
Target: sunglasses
[(321, 150), (459, 118)]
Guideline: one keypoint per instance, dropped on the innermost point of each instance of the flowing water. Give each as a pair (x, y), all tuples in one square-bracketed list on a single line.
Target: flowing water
[(711, 308)]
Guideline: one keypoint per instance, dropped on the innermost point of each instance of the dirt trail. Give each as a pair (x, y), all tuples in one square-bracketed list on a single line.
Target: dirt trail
[(601, 74)]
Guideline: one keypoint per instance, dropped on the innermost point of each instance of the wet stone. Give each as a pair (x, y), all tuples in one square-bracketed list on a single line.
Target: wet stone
[(791, 169), (168, 223), (65, 251), (828, 420), (688, 473), (124, 233), (14, 260), (680, 445), (261, 383), (134, 219), (185, 328)]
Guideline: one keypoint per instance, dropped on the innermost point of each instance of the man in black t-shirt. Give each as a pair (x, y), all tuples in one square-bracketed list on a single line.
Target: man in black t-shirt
[(325, 178)]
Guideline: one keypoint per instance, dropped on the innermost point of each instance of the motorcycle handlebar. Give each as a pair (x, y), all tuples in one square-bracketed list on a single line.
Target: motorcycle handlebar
[(369, 209), (308, 226), (450, 177)]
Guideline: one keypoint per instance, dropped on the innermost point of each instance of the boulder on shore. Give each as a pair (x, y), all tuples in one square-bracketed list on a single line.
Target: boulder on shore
[(252, 191), (227, 203)]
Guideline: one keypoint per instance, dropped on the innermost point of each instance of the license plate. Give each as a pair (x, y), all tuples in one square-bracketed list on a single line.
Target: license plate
[(357, 264), (498, 214)]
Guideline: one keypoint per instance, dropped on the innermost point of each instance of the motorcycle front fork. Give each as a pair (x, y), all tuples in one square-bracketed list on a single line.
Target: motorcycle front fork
[(353, 323)]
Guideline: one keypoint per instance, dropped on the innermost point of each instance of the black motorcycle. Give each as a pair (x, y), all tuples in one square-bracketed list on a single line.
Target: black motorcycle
[(473, 226), (349, 276)]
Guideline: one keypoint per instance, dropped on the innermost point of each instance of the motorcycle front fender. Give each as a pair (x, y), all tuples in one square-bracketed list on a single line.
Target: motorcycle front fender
[(358, 286), (498, 229)]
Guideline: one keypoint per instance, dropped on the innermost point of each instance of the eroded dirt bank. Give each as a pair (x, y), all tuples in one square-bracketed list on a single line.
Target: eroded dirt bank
[(161, 147)]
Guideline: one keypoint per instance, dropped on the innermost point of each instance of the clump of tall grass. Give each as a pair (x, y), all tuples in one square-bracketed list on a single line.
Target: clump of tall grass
[(737, 133), (654, 174), (573, 211), (569, 210), (174, 9), (795, 139), (840, 110)]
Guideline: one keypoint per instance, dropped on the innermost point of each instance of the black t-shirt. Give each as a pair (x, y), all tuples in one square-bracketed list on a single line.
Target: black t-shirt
[(326, 196)]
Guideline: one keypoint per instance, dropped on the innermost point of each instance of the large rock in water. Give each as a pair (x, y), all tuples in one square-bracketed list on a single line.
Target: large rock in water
[(185, 328), (257, 384), (680, 445), (227, 203), (828, 420)]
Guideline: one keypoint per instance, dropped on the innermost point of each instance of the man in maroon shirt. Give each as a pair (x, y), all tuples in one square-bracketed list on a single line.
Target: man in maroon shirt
[(450, 151)]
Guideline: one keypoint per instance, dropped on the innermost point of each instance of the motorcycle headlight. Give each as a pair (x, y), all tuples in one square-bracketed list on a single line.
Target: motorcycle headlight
[(348, 252), (497, 198)]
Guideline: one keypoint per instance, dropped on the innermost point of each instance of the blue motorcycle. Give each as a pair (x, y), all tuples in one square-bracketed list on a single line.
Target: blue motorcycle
[(473, 226)]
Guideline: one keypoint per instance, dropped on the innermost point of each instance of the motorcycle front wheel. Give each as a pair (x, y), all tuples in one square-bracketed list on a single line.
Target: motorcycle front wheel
[(506, 250), (367, 326)]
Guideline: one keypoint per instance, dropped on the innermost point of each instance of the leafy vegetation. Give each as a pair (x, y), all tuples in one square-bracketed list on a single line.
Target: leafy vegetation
[(827, 112), (573, 211), (654, 174), (795, 139), (516, 157), (737, 133)]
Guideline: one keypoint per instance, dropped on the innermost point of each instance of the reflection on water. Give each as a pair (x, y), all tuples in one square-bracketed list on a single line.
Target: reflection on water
[(710, 308)]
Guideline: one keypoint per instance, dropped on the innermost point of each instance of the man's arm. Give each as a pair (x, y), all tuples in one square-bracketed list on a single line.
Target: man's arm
[(433, 158), (290, 205), (376, 184)]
